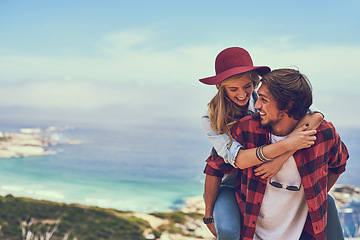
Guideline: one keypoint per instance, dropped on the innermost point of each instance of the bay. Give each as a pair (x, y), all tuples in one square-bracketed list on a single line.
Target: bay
[(128, 166)]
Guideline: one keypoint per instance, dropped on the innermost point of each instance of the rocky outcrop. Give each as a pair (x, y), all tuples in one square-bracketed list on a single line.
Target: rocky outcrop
[(30, 142), (344, 194), (15, 145)]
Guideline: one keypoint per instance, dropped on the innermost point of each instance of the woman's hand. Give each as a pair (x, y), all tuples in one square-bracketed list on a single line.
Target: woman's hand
[(269, 169), (314, 120), (301, 138), (211, 227)]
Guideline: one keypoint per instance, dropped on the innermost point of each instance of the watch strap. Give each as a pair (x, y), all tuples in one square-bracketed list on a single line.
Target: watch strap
[(208, 220)]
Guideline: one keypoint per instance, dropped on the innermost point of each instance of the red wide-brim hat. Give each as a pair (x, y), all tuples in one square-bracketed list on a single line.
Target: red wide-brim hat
[(232, 61)]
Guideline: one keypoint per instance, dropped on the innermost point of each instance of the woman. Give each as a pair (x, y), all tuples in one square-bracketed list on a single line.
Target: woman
[(236, 78)]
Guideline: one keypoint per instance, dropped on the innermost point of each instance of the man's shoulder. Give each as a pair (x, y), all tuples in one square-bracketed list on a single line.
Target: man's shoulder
[(251, 119), (326, 125), (248, 123), (327, 129)]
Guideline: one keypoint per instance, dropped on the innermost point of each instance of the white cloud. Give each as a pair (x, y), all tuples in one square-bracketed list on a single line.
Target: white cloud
[(132, 71), (325, 65), (117, 42), (58, 94), (124, 57), (131, 100)]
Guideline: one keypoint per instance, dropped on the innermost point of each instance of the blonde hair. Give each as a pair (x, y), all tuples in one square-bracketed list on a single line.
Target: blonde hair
[(223, 112)]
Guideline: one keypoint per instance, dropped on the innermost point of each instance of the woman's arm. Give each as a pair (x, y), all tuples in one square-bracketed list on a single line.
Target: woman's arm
[(247, 159), (212, 185), (220, 142), (268, 170), (298, 139)]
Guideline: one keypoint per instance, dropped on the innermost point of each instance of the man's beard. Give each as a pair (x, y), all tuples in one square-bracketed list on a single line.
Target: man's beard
[(272, 122)]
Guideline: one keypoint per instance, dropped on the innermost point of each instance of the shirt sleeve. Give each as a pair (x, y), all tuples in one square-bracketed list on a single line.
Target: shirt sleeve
[(212, 171), (338, 155), (221, 141), (216, 166), (314, 109)]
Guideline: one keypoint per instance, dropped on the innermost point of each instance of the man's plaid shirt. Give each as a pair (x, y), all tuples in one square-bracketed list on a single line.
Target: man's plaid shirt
[(327, 154)]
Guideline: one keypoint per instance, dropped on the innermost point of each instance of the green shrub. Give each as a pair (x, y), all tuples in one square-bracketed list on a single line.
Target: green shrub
[(81, 222)]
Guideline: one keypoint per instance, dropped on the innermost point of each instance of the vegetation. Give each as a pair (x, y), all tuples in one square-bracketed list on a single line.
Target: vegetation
[(29, 219), (4, 138), (178, 217), (24, 218)]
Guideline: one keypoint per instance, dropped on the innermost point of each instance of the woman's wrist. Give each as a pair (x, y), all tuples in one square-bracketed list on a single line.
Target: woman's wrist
[(286, 144), (208, 214)]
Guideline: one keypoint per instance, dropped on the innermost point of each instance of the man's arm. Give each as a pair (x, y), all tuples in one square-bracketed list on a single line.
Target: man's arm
[(332, 178), (212, 185), (338, 153), (337, 157)]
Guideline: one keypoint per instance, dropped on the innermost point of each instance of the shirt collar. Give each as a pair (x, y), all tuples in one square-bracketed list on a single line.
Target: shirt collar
[(251, 107)]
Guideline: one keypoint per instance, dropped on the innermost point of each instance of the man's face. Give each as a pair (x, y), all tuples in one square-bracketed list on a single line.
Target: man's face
[(267, 106)]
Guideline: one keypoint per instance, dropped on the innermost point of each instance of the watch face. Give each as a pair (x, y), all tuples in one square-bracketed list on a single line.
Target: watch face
[(208, 220)]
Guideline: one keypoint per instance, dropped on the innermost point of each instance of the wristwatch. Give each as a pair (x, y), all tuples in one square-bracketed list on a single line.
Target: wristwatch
[(208, 220)]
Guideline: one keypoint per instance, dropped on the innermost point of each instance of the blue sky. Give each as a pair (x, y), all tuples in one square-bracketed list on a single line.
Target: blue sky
[(147, 56)]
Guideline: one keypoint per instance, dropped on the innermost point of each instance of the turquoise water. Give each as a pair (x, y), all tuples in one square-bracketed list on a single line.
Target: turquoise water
[(149, 167), (137, 169)]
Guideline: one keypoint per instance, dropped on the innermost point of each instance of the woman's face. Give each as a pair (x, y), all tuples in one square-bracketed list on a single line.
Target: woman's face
[(239, 89)]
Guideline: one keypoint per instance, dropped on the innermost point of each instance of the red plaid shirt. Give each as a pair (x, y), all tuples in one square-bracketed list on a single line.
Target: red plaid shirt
[(327, 154)]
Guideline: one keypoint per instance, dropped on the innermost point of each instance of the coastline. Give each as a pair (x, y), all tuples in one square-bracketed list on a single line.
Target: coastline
[(181, 224), (31, 142), (28, 142), (342, 194)]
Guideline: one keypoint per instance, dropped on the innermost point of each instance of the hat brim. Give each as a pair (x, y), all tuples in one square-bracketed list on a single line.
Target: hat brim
[(233, 71)]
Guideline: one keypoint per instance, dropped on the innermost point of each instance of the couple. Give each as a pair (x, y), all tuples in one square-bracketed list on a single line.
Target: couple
[(269, 171)]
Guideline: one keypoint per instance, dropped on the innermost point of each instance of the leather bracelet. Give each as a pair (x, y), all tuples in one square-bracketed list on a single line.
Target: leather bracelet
[(208, 220)]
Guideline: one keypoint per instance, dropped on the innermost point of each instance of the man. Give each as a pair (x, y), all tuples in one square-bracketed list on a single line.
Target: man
[(293, 204)]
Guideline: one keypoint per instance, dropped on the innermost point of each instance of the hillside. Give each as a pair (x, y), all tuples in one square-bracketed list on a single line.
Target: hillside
[(29, 219), (24, 218)]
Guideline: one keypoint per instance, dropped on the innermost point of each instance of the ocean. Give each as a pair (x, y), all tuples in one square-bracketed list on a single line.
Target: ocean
[(144, 168), (147, 167)]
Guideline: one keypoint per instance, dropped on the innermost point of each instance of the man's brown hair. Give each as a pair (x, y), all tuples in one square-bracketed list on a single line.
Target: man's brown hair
[(291, 90)]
